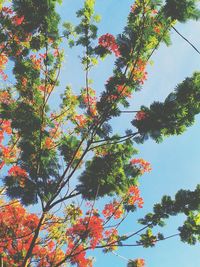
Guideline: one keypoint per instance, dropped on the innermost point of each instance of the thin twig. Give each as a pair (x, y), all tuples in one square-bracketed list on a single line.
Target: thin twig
[(186, 40)]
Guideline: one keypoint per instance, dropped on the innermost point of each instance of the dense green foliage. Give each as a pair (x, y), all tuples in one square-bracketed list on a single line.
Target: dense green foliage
[(186, 202), (113, 172), (174, 115)]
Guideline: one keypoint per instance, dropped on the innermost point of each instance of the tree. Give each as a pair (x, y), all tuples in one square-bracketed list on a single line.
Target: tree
[(54, 157)]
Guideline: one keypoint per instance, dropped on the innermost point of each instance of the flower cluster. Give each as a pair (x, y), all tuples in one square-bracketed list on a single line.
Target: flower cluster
[(47, 89), (81, 120), (111, 238), (136, 263), (78, 255), (140, 115), (124, 91), (54, 134), (8, 153), (5, 128), (90, 100), (139, 71), (134, 197), (19, 173), (3, 62), (114, 209), (90, 227), (108, 42), (7, 10), (157, 29), (15, 223), (5, 97), (144, 165), (37, 62), (19, 225), (49, 143), (139, 263), (17, 20)]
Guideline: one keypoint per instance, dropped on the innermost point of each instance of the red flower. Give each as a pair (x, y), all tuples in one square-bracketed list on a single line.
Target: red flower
[(18, 20), (7, 10), (80, 120), (79, 257), (24, 81), (140, 115), (111, 238), (3, 61), (8, 153), (87, 228), (156, 29), (5, 97), (144, 165), (49, 143), (6, 126), (51, 245), (113, 209), (16, 224), (111, 232), (134, 196), (124, 90), (139, 72), (16, 171), (90, 100), (108, 41), (2, 164)]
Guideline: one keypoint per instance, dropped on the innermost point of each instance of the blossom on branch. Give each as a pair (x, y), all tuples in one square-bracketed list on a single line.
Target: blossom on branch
[(108, 42), (144, 165)]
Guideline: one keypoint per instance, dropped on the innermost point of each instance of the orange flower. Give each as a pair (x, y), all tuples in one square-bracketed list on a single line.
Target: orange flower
[(24, 81), (138, 70), (49, 143), (8, 153), (6, 126), (17, 171), (156, 29), (123, 90), (3, 61), (144, 165), (88, 227), (5, 97), (81, 120), (139, 263), (113, 209), (134, 196)]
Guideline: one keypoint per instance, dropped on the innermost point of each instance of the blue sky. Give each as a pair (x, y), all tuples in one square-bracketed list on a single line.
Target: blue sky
[(175, 162)]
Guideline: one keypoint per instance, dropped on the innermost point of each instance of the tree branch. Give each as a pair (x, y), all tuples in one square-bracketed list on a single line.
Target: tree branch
[(186, 39)]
